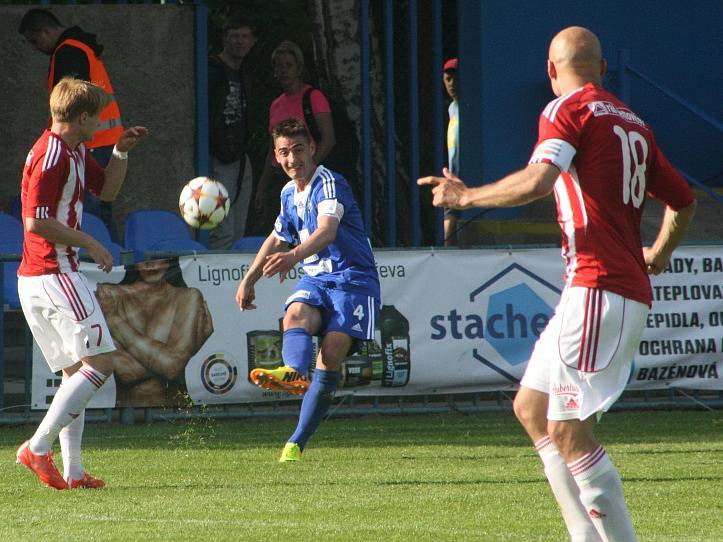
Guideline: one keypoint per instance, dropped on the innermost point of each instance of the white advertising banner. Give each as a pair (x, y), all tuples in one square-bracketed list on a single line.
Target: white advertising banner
[(451, 321)]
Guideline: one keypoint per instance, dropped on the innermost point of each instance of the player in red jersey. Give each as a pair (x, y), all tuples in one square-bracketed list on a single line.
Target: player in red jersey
[(62, 311), (600, 160)]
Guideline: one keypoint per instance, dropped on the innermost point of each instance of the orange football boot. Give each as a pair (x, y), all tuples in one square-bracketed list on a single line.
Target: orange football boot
[(86, 482), (280, 379), (42, 465)]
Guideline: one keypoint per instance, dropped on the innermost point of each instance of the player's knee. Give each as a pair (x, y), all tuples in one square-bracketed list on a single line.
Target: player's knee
[(302, 316), (529, 407), (521, 409), (563, 435)]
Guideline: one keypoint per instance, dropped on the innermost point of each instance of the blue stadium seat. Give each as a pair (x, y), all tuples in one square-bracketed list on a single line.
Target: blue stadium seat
[(16, 207), (93, 226), (180, 245), (11, 242), (155, 229), (248, 243)]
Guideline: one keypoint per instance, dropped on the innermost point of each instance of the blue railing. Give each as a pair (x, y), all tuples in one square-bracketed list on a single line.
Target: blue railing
[(626, 70)]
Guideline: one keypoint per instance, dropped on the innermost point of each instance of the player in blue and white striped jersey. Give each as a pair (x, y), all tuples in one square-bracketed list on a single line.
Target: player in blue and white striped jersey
[(338, 296)]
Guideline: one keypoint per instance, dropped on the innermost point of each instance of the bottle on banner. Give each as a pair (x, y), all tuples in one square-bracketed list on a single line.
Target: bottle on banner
[(394, 329), (356, 371), (372, 350), (264, 349)]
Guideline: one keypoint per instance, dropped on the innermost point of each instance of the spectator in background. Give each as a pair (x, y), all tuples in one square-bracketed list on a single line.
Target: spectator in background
[(287, 61), (228, 124), (449, 77), (76, 53)]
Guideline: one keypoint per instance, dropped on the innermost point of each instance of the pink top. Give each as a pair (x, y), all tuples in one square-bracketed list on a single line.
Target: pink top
[(286, 107)]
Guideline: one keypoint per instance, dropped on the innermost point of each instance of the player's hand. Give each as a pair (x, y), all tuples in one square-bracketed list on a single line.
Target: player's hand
[(281, 263), (130, 137), (245, 296), (101, 256), (447, 191), (655, 263)]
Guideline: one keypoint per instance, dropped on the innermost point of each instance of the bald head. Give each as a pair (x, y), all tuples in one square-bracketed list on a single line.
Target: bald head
[(575, 58)]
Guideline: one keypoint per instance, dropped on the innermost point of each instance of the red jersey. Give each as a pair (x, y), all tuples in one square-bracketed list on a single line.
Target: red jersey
[(55, 178), (609, 161)]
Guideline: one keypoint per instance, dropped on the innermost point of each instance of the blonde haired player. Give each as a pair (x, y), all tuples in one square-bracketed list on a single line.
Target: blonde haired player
[(61, 310), (601, 160)]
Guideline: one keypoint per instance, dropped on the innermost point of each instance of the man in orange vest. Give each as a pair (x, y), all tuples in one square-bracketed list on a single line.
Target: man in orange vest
[(76, 53)]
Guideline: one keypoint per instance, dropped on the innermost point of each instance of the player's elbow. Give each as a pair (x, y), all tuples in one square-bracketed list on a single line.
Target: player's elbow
[(38, 226), (32, 225), (541, 180), (689, 211)]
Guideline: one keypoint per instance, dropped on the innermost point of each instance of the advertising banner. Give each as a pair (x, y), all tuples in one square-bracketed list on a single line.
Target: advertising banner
[(451, 321)]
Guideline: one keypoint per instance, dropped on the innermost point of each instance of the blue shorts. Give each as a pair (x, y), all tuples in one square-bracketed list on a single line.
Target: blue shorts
[(352, 313)]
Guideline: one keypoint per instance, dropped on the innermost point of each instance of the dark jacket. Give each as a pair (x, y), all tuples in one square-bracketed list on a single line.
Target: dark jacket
[(70, 60), (227, 141)]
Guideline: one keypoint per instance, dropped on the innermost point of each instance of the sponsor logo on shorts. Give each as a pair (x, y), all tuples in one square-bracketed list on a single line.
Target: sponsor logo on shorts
[(300, 294), (218, 374), (569, 394)]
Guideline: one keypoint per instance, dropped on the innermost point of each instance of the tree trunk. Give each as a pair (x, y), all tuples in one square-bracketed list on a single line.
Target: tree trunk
[(338, 61)]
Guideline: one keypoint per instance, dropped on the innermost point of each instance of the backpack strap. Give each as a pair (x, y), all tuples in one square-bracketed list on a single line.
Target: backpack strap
[(309, 115)]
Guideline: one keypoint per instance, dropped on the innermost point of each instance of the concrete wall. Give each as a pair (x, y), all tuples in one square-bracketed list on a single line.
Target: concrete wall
[(149, 53)]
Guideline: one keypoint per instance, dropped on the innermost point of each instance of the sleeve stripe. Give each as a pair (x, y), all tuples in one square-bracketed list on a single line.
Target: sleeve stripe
[(552, 108), (329, 184), (42, 212), (52, 154)]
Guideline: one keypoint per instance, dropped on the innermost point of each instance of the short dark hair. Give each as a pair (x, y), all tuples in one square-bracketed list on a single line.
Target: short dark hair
[(290, 128), (238, 21), (36, 19)]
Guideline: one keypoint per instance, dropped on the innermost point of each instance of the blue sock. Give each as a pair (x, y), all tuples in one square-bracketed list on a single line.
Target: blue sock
[(297, 349), (315, 405)]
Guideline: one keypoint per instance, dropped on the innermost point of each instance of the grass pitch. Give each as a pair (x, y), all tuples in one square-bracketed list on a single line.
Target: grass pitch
[(417, 477)]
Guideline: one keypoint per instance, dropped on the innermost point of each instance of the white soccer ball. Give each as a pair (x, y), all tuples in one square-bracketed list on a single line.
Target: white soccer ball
[(204, 203)]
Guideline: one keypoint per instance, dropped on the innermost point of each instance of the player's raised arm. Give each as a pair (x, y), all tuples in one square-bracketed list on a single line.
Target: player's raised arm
[(526, 185), (115, 171)]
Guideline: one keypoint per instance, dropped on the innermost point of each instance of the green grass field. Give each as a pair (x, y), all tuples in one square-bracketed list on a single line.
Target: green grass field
[(417, 477)]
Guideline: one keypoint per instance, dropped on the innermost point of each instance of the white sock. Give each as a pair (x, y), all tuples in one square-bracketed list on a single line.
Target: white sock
[(566, 493), (601, 492), (71, 437), (68, 404)]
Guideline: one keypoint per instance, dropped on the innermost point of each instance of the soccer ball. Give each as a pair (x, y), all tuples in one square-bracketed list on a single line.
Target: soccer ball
[(203, 203)]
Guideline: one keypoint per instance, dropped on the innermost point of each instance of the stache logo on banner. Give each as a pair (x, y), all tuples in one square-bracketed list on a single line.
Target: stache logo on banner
[(506, 316)]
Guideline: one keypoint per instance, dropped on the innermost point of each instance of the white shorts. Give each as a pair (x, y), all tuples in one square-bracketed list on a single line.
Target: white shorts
[(65, 318), (584, 357)]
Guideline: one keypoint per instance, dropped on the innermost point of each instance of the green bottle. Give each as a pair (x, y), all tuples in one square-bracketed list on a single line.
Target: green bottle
[(372, 350), (264, 349), (394, 329)]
